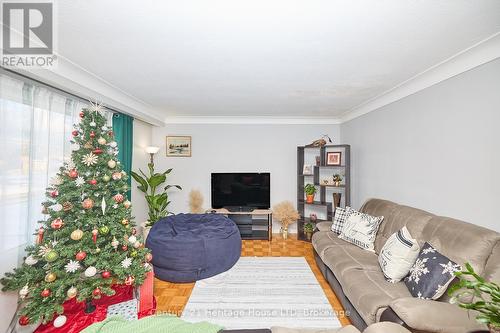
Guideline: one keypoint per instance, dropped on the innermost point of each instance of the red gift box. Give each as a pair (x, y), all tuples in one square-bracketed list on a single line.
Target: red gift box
[(77, 319)]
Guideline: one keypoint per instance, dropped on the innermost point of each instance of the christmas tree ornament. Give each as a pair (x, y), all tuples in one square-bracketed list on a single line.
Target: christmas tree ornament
[(126, 262), (82, 114), (73, 173), (74, 133), (71, 292), (132, 239), (133, 231), (39, 236), (94, 235), (57, 223), (45, 211), (79, 181), (50, 277), (24, 320), (113, 144), (97, 108), (124, 247), (96, 292), (111, 164), (106, 274), (51, 256), (30, 260), (133, 253), (92, 124), (106, 178), (76, 235), (90, 271), (125, 222), (67, 206), (45, 293), (115, 243), (103, 206), (137, 244), (72, 266), (97, 151), (81, 255), (127, 204), (75, 146), (129, 280), (93, 182), (101, 141), (24, 291), (147, 266), (54, 193), (116, 175), (60, 321), (88, 203), (97, 250), (148, 257), (118, 198), (90, 159), (56, 207), (92, 134), (56, 181), (88, 145), (104, 229), (110, 133)]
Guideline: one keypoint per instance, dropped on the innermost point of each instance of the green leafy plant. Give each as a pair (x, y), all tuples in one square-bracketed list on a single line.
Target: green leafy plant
[(485, 296), (308, 227), (310, 189), (337, 178), (157, 202)]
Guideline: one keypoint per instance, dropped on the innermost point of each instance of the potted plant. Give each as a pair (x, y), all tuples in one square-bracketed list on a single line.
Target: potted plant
[(485, 297), (157, 202), (308, 230), (310, 190), (286, 214), (337, 179)]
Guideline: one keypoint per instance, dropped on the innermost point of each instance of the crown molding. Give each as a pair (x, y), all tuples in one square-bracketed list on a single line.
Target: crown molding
[(74, 79), (245, 120), (485, 51)]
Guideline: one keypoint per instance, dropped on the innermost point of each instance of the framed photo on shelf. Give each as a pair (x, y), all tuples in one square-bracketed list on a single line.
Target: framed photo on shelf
[(307, 170), (178, 146), (334, 158)]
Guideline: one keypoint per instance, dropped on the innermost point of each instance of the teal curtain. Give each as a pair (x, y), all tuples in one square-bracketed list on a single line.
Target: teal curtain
[(123, 128)]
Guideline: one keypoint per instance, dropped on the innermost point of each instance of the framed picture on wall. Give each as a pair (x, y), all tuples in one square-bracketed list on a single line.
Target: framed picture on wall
[(178, 146), (307, 170), (334, 158)]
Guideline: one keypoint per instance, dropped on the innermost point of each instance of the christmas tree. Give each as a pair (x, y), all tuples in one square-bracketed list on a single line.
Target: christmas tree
[(87, 242)]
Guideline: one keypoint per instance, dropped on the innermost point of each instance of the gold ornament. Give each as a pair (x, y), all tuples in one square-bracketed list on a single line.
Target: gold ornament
[(88, 145), (50, 277), (67, 206), (111, 164), (125, 222), (101, 141), (88, 203), (76, 234), (72, 292)]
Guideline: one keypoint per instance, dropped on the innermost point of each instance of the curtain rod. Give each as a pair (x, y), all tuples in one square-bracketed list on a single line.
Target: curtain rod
[(10, 71)]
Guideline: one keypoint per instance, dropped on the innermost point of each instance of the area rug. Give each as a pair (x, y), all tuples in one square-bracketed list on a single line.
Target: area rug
[(260, 292)]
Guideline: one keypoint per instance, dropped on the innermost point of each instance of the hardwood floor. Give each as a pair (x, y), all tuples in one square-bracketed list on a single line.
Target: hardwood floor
[(173, 297)]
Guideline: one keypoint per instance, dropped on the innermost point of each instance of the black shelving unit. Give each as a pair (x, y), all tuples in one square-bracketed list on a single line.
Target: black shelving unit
[(323, 203)]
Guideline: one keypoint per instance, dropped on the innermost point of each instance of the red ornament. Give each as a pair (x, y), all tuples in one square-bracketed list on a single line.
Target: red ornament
[(92, 182), (110, 133), (39, 237), (92, 134), (72, 173), (106, 274), (24, 320), (54, 193), (45, 293), (129, 280), (57, 223), (148, 257), (124, 247), (119, 198), (96, 292), (88, 203), (82, 114), (97, 151), (74, 133), (94, 235), (81, 255)]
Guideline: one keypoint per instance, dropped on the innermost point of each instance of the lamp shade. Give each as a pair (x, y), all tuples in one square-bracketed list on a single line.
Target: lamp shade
[(152, 149)]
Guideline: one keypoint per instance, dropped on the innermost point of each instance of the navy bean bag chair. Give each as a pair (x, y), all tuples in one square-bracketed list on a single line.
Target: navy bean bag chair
[(191, 247)]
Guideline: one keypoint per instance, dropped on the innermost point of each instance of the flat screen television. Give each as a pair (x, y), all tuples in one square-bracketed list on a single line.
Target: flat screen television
[(241, 191)]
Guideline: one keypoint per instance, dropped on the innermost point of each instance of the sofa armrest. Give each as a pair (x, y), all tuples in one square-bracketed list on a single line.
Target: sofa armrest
[(385, 327), (434, 316), (324, 226)]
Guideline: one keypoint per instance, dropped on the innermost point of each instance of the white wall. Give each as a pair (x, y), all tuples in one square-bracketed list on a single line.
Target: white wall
[(437, 150), (236, 148)]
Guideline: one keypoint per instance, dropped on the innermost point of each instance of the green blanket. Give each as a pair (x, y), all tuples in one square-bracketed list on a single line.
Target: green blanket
[(157, 324)]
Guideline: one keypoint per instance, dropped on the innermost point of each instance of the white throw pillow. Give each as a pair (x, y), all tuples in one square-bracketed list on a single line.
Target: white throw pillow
[(361, 229), (398, 255)]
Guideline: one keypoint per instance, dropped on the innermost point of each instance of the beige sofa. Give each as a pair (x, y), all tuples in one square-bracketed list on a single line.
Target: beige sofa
[(355, 275), (375, 328)]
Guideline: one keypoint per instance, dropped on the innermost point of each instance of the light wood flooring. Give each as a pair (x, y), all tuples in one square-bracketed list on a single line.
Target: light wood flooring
[(173, 297)]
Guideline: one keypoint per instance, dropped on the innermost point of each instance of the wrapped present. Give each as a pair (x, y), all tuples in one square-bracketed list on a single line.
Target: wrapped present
[(127, 310)]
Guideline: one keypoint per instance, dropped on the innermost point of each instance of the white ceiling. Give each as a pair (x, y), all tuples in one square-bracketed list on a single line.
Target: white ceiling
[(282, 58)]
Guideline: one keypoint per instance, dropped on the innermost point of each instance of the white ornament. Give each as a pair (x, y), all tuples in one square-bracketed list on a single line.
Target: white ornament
[(92, 124), (60, 321), (115, 206), (103, 206), (56, 207), (44, 249), (70, 165), (30, 260), (101, 141), (127, 262), (104, 128), (137, 244), (114, 243), (132, 239), (75, 146), (113, 144), (72, 266), (96, 107), (90, 271), (79, 181), (89, 159), (24, 291), (147, 266), (56, 180)]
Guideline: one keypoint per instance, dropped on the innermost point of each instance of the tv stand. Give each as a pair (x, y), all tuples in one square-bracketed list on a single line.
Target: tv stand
[(234, 209), (253, 224)]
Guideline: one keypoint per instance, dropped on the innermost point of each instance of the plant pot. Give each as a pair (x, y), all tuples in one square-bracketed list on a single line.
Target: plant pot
[(337, 184), (308, 235), (309, 198), (284, 232)]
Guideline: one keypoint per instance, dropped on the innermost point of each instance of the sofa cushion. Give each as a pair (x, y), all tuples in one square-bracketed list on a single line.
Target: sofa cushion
[(347, 256), (369, 291), (323, 240), (341, 215), (324, 226), (492, 269), (361, 229)]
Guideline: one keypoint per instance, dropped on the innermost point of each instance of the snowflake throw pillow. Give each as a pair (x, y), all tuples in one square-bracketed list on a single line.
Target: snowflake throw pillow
[(431, 274)]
